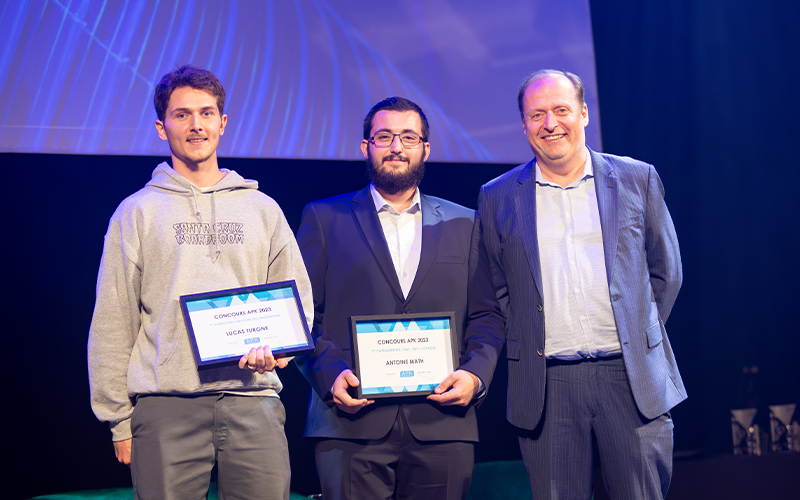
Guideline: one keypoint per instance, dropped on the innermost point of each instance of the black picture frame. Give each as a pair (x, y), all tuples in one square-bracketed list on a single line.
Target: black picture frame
[(364, 389), (212, 300)]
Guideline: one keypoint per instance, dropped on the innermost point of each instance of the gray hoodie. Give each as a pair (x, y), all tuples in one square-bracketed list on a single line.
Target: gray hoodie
[(169, 239)]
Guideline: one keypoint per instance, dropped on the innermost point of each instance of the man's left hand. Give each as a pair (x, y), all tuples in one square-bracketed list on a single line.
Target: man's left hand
[(260, 360), (457, 389)]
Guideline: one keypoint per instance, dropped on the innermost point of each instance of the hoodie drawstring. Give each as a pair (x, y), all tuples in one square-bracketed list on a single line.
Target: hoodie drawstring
[(217, 250), (196, 208), (214, 224)]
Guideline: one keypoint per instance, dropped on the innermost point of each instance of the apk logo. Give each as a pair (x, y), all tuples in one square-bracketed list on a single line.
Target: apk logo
[(407, 373)]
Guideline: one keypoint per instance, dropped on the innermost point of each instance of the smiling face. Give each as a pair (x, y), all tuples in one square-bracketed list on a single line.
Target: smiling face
[(192, 126), (553, 121), (396, 168)]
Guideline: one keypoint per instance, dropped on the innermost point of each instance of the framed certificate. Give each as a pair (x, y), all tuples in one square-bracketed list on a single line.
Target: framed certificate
[(226, 324), (403, 354)]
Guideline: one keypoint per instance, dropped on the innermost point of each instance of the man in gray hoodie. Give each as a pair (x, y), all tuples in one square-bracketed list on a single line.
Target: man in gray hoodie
[(193, 228)]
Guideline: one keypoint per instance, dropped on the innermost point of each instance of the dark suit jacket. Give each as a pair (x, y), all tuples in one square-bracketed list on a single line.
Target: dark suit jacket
[(351, 273), (643, 269)]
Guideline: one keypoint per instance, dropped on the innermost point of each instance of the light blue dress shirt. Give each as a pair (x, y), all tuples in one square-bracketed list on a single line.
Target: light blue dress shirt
[(579, 321)]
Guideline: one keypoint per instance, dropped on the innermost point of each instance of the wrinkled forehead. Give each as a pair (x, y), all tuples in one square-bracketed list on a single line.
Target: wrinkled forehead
[(550, 90)]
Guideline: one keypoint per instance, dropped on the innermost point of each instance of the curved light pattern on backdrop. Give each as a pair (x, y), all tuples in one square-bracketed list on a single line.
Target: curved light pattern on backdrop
[(78, 76)]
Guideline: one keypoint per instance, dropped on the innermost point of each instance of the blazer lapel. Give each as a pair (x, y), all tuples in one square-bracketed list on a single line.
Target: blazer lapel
[(431, 230), (607, 189), (525, 200), (366, 217)]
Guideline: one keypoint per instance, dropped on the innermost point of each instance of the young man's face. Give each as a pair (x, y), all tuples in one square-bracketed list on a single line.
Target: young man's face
[(192, 126), (395, 168)]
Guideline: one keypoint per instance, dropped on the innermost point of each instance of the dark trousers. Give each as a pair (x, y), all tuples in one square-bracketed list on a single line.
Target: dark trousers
[(589, 400), (178, 440), (395, 466)]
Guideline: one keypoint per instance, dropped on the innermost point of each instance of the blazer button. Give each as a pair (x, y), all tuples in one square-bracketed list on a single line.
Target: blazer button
[(539, 352), (539, 308), (405, 310)]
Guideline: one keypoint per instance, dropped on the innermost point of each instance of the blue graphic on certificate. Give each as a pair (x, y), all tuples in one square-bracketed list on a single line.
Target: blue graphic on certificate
[(225, 325), (403, 355)]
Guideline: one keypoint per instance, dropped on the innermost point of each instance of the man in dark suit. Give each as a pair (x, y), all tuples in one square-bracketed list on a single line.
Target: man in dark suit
[(586, 265), (388, 249)]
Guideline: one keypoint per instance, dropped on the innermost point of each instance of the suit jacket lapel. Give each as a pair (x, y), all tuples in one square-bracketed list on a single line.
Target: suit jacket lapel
[(525, 199), (606, 187), (431, 230), (366, 217)]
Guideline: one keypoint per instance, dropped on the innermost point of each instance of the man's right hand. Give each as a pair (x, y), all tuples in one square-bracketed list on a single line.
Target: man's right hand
[(122, 449), (343, 401)]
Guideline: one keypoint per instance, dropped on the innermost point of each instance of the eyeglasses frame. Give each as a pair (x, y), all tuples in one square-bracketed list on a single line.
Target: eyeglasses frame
[(422, 140)]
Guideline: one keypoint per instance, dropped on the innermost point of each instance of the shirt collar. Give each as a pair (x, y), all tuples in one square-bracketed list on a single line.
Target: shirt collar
[(381, 204), (587, 172)]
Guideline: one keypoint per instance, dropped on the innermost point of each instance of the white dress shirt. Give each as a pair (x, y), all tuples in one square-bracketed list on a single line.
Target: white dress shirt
[(403, 233)]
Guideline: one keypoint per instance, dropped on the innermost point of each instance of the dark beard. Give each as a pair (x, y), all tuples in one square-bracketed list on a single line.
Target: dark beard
[(395, 182)]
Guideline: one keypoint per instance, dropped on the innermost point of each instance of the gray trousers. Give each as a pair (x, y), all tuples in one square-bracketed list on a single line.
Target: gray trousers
[(178, 440), (593, 399)]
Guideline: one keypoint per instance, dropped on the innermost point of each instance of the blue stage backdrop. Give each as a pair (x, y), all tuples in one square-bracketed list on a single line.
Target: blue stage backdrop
[(78, 76)]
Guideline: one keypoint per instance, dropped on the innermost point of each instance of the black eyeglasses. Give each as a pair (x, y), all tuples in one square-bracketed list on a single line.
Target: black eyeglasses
[(385, 139)]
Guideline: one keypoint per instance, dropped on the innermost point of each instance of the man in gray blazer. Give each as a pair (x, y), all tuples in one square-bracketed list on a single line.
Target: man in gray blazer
[(586, 265)]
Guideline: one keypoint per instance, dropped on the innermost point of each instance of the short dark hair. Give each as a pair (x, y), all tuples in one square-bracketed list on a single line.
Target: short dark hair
[(580, 91), (396, 104), (187, 76)]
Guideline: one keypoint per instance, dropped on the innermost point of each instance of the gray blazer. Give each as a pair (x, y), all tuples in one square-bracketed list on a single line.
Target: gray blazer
[(644, 274)]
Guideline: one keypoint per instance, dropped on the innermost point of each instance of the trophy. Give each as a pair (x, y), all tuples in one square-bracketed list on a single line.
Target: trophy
[(748, 438), (784, 428)]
